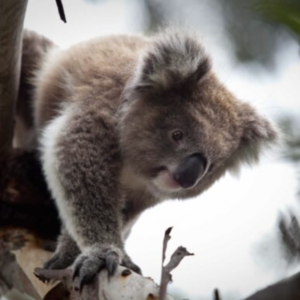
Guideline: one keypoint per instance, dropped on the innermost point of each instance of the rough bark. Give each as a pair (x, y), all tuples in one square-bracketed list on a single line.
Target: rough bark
[(12, 275), (12, 13)]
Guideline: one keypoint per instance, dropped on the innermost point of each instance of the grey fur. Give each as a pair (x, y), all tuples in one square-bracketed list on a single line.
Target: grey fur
[(105, 112)]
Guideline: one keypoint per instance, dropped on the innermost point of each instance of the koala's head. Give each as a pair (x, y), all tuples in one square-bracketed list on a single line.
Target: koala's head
[(181, 129)]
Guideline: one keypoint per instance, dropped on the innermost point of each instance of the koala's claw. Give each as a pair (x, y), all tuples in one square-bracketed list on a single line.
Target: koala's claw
[(112, 260), (78, 265), (87, 270), (87, 266)]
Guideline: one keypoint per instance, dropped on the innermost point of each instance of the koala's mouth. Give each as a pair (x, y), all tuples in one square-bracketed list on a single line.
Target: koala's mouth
[(164, 180), (185, 175), (156, 171)]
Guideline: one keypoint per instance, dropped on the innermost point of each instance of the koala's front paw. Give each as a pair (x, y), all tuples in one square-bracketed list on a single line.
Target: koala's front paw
[(65, 254), (90, 263), (60, 260)]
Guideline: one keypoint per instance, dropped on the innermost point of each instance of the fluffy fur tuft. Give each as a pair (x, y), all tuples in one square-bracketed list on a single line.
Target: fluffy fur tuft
[(174, 62), (257, 134)]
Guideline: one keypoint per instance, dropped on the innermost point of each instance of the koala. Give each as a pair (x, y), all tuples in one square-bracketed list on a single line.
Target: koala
[(123, 123)]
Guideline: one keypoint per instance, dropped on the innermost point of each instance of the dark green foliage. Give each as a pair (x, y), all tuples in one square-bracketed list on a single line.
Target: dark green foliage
[(256, 28), (254, 38), (283, 12)]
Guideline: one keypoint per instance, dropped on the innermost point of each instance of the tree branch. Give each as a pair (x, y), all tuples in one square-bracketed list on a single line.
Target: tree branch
[(125, 284), (175, 260), (12, 13)]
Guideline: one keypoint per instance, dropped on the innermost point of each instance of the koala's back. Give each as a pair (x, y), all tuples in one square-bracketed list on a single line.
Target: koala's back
[(90, 73)]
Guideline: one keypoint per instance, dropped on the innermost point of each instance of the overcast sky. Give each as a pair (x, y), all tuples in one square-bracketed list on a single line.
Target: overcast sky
[(226, 225)]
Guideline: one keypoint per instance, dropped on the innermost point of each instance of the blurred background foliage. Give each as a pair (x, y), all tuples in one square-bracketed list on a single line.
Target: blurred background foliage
[(255, 28), (258, 28)]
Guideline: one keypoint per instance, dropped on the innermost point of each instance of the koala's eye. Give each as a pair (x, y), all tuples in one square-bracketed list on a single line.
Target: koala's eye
[(177, 135)]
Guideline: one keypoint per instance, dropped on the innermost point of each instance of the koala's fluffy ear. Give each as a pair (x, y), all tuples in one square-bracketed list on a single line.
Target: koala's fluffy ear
[(174, 61), (257, 133)]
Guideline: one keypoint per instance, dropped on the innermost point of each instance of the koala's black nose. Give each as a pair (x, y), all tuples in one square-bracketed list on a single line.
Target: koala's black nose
[(190, 170)]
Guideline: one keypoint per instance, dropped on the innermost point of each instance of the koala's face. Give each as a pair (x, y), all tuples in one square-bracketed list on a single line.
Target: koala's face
[(180, 144), (180, 129)]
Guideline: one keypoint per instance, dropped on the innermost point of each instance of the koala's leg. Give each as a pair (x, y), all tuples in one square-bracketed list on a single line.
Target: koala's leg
[(81, 163), (65, 254)]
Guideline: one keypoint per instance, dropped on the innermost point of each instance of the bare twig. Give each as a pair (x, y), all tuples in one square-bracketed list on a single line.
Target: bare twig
[(12, 13), (217, 295), (61, 10), (176, 258), (167, 237)]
